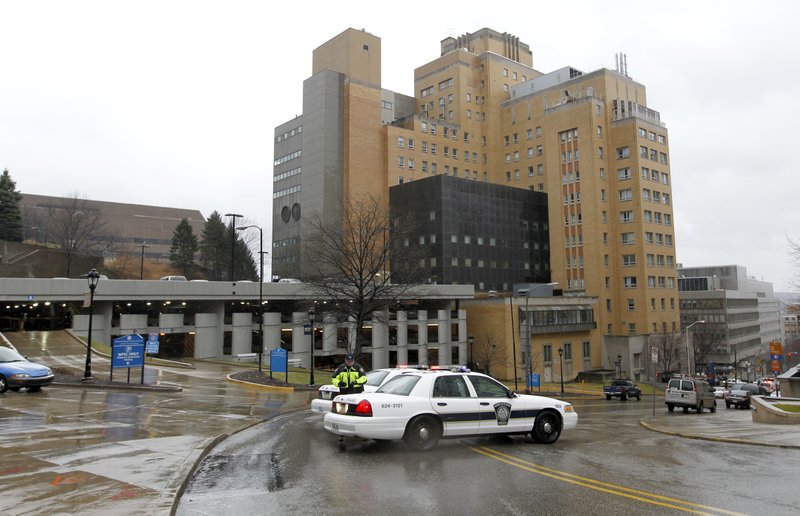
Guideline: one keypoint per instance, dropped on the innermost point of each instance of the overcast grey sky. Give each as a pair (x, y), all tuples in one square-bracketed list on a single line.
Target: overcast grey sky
[(174, 103)]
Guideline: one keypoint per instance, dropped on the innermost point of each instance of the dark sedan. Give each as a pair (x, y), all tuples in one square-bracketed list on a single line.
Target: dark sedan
[(17, 372)]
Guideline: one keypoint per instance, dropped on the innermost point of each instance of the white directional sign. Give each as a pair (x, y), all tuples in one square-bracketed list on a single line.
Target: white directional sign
[(654, 354)]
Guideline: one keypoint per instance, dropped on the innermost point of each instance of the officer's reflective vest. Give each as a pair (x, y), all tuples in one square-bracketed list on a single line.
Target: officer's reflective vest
[(347, 377)]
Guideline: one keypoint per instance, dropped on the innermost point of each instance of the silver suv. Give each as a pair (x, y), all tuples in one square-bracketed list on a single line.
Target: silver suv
[(690, 393)]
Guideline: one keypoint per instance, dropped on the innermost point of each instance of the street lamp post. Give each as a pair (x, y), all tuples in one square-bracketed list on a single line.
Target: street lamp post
[(528, 340), (141, 266), (92, 277), (260, 292), (561, 366), (688, 358), (311, 314), (471, 364), (233, 239)]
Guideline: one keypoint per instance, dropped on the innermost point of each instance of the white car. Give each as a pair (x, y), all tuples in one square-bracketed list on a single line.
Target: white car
[(375, 379), (421, 407)]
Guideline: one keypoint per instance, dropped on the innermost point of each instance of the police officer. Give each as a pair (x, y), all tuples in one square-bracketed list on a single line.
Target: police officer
[(349, 377)]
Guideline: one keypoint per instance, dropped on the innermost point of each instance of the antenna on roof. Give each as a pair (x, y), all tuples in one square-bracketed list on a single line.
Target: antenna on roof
[(621, 62)]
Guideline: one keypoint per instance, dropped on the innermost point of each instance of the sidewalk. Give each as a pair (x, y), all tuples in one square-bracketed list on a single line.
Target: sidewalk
[(727, 426)]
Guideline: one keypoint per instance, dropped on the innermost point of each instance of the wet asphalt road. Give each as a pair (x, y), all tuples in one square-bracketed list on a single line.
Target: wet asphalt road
[(608, 465), (74, 450)]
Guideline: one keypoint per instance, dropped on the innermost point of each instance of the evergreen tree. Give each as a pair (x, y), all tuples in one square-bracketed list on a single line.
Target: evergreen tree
[(10, 212), (184, 247), (246, 267), (213, 245)]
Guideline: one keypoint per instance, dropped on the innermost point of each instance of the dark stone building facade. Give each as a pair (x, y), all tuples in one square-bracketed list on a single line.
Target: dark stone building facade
[(470, 232)]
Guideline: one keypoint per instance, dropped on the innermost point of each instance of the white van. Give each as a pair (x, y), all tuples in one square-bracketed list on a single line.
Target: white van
[(173, 278), (690, 393)]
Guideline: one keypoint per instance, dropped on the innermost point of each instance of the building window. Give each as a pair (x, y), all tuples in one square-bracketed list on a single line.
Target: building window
[(623, 152), (400, 162), (625, 195), (400, 142), (631, 328), (627, 238), (628, 260), (631, 304), (630, 281), (623, 173)]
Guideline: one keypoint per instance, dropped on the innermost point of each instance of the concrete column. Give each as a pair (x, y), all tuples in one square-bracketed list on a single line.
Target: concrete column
[(242, 333), (462, 337), (272, 331), (132, 323), (422, 331), (209, 331), (351, 333), (170, 323), (101, 322), (301, 343), (444, 338), (402, 337), (380, 340), (329, 334)]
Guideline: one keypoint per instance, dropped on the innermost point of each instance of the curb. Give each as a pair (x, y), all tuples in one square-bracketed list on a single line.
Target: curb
[(124, 386), (260, 385), (729, 440)]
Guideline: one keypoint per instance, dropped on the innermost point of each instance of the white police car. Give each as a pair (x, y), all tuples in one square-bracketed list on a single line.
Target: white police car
[(421, 407), (375, 379)]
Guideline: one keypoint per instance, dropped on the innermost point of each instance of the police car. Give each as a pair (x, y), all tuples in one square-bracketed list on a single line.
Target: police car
[(375, 379), (422, 407)]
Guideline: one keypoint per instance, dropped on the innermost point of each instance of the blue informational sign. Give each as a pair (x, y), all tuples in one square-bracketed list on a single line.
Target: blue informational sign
[(533, 380), (151, 347), (278, 361), (128, 351)]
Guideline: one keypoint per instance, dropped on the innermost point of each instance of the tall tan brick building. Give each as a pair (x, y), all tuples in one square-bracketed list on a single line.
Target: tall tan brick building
[(482, 112)]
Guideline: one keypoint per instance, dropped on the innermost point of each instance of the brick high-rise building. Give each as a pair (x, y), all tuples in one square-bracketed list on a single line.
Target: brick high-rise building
[(481, 112)]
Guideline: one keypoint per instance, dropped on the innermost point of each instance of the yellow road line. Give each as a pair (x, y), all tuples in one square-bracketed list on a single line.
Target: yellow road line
[(633, 494)]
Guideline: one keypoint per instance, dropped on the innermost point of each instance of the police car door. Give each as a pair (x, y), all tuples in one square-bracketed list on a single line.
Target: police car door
[(452, 401), (499, 413)]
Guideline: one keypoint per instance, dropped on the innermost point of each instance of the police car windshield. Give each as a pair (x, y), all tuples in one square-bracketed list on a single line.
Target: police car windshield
[(375, 378), (401, 385)]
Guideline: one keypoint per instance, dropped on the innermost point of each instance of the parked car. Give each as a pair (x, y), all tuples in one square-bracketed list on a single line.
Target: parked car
[(719, 392), (173, 278), (17, 372), (740, 394), (624, 389), (422, 407), (690, 393)]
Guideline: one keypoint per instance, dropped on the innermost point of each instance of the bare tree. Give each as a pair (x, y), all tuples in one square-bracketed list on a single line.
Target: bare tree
[(794, 253), (75, 226), (350, 266), (487, 352), (704, 343), (124, 264), (669, 349)]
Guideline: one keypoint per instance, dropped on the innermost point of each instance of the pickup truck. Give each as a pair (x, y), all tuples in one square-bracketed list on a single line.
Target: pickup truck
[(623, 388)]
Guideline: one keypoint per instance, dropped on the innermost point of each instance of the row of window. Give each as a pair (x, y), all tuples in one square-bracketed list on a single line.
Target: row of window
[(447, 132), (287, 191), (652, 154), (631, 305), (507, 139), (660, 260), (284, 159), (652, 136), (288, 134), (629, 238), (653, 175), (288, 173)]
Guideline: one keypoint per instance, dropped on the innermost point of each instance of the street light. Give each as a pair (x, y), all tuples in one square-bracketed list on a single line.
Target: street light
[(311, 314), (528, 343), (561, 366), (471, 364), (233, 238), (260, 291), (92, 277), (688, 358), (141, 267)]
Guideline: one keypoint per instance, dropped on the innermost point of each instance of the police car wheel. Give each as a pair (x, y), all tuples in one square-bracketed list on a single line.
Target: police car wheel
[(423, 433), (546, 428)]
